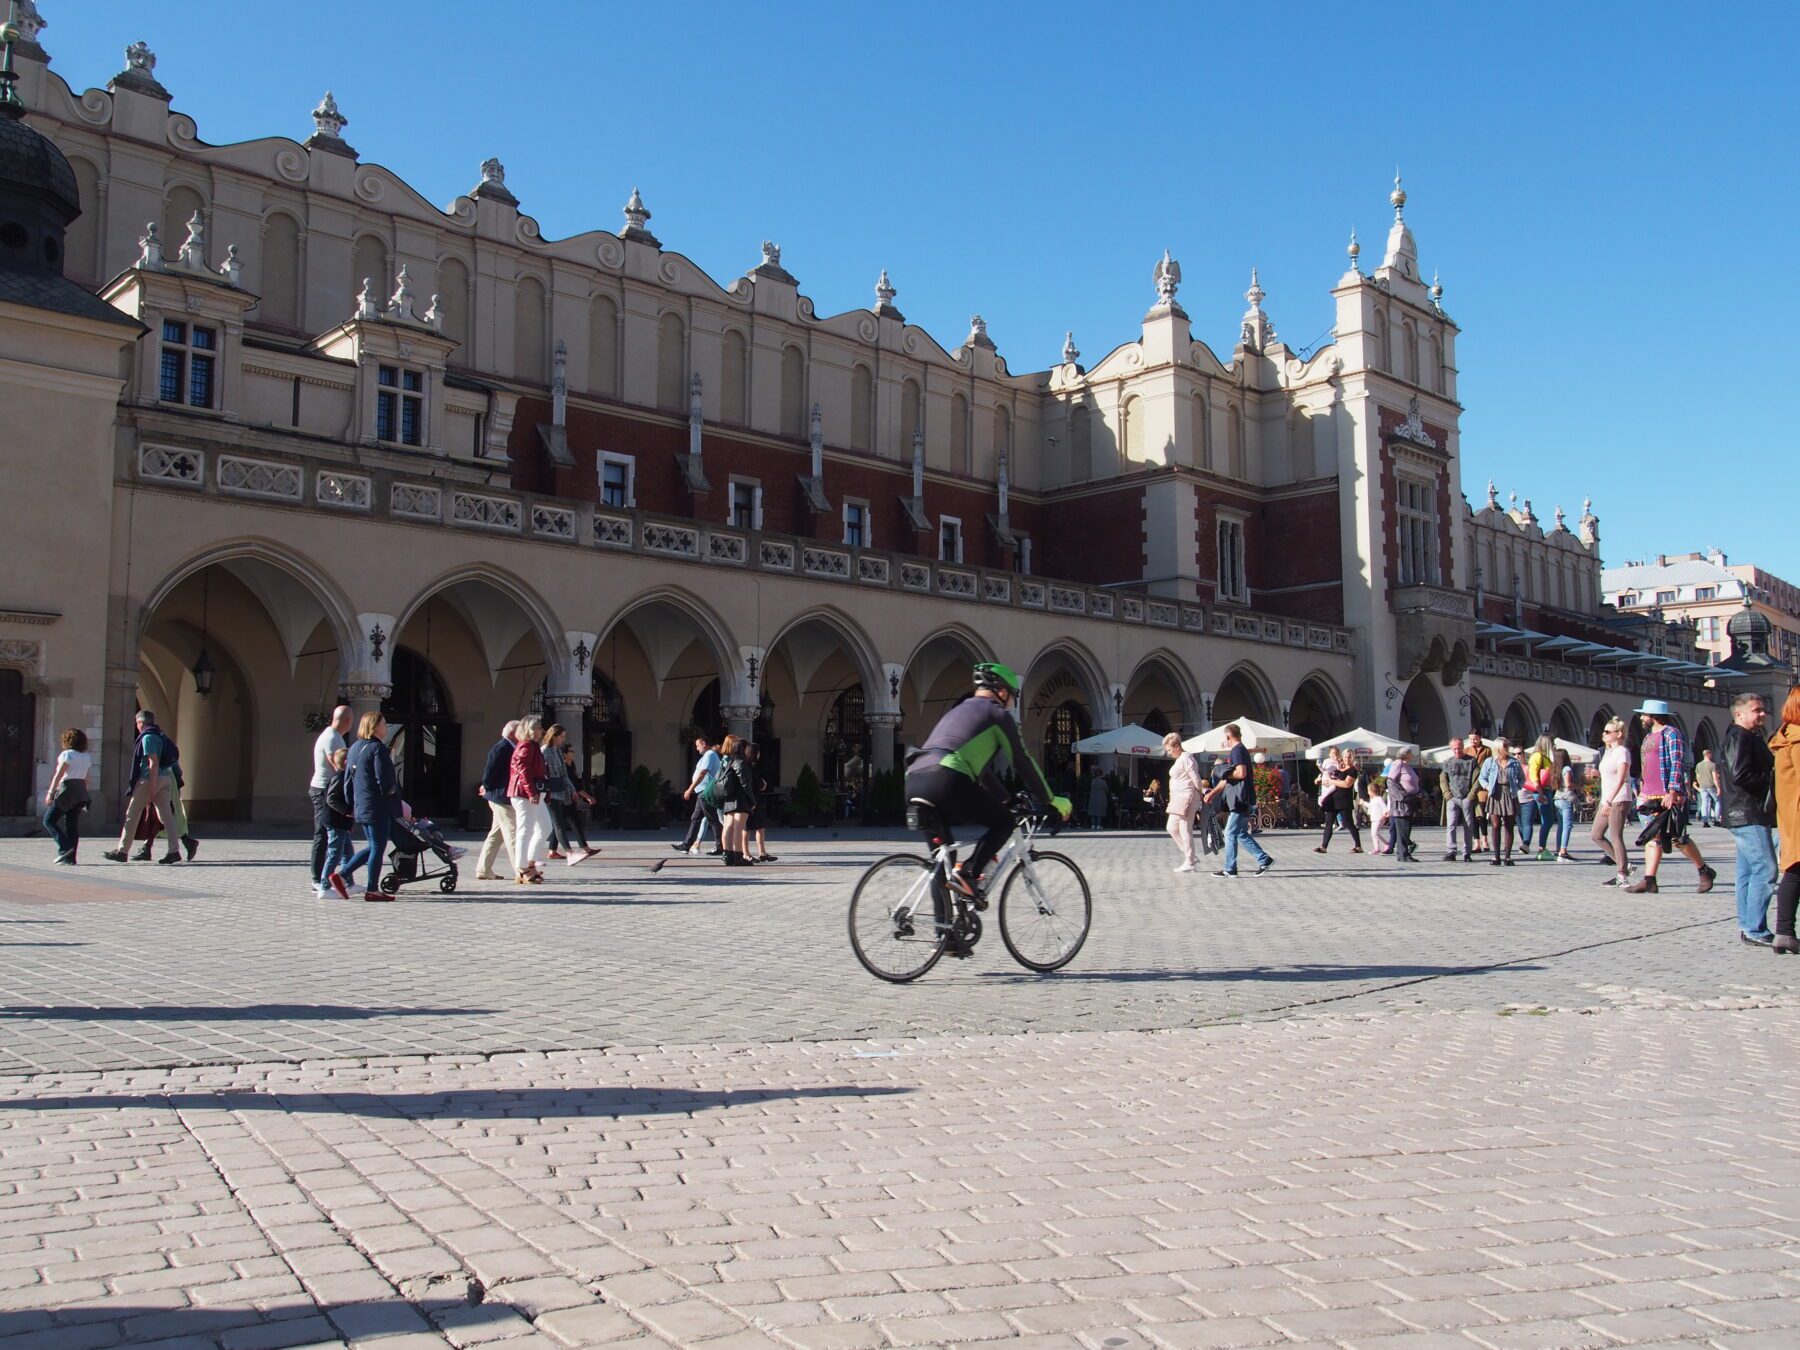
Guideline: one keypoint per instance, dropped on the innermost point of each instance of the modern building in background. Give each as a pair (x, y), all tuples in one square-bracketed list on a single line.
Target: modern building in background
[(1708, 590), (280, 431)]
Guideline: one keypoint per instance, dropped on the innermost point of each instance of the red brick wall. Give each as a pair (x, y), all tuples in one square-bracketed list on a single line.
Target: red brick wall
[(1097, 537)]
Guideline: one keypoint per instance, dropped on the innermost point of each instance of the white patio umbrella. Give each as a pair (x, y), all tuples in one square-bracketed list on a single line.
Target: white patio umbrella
[(1578, 753), (1257, 736), (1361, 741), (1436, 755), (1126, 740)]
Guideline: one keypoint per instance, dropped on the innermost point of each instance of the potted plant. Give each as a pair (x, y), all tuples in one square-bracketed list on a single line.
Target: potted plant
[(807, 804)]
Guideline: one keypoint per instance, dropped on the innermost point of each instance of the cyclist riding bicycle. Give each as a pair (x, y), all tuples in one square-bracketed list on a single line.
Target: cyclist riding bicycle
[(957, 772)]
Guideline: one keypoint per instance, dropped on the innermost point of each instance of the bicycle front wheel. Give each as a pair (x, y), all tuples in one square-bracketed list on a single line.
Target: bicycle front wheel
[(1045, 910), (894, 927)]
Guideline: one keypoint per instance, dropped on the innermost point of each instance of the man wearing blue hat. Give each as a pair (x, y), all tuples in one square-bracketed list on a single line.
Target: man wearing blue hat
[(1662, 798)]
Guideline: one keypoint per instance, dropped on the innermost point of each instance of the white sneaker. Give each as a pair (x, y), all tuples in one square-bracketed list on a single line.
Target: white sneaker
[(1186, 867), (320, 890)]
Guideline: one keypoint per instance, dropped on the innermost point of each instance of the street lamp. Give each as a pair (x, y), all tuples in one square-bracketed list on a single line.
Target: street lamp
[(204, 669)]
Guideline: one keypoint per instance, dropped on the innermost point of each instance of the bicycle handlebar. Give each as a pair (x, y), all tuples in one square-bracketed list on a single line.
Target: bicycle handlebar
[(1042, 817)]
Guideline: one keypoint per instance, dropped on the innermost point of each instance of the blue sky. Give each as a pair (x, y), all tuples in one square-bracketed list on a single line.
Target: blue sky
[(1608, 190)]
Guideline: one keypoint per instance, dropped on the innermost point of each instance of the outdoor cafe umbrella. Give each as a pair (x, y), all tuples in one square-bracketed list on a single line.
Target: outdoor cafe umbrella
[(1578, 753), (1125, 740), (1361, 741), (1257, 736)]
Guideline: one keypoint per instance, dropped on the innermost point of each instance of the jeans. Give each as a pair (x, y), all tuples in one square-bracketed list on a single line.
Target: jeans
[(65, 828), (337, 852), (1459, 814), (1237, 832), (566, 827), (1528, 819), (703, 816), (321, 839), (377, 833), (1756, 874), (1709, 806), (1565, 825)]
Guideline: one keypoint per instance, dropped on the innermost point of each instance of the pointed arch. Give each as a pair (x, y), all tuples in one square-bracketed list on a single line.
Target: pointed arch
[(1521, 724), (715, 635), (1254, 687), (1082, 663), (978, 647), (1320, 704), (340, 613), (1176, 674), (862, 650), (1565, 721), (540, 618), (531, 360)]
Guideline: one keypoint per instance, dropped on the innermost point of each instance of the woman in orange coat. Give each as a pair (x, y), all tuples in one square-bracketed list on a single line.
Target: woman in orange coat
[(1786, 745)]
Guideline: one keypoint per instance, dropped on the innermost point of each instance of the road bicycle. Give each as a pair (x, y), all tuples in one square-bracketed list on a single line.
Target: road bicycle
[(904, 914)]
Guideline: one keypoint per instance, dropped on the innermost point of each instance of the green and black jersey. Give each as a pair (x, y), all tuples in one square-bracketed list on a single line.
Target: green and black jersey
[(979, 738)]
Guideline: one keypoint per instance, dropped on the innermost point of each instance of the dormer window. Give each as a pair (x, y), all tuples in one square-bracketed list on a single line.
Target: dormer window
[(189, 357), (400, 405)]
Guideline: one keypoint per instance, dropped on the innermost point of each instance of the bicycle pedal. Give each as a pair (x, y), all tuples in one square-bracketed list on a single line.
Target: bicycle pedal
[(980, 903)]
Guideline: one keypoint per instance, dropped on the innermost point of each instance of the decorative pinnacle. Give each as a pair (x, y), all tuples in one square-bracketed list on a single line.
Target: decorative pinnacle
[(636, 213), (1398, 195), (1560, 518), (327, 120), (10, 32), (1070, 353), (1255, 295), (1493, 494), (884, 289), (1355, 249), (1437, 290)]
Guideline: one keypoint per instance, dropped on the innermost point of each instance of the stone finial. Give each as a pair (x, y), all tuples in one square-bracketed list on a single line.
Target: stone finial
[(771, 254), (1561, 520), (232, 269), (150, 249), (1493, 500), (193, 248), (1398, 195), (637, 215), (434, 314), (368, 304), (1070, 352), (884, 290), (137, 76), (401, 305), (1528, 514), (1167, 277), (1256, 332), (493, 173), (327, 120), (1354, 252), (978, 333), (1587, 506), (1437, 292), (29, 22), (140, 59), (1512, 501)]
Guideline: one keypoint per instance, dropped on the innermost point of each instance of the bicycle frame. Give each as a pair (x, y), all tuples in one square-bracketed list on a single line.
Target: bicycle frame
[(1016, 849)]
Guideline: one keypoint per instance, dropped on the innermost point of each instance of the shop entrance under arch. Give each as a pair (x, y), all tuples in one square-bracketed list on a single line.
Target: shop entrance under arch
[(424, 737)]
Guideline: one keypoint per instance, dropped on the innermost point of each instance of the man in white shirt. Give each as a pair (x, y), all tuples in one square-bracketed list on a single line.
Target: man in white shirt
[(708, 765), (334, 737)]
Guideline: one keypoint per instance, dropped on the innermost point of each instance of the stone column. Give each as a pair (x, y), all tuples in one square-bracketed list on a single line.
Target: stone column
[(570, 712), (740, 718), (364, 698), (881, 740)]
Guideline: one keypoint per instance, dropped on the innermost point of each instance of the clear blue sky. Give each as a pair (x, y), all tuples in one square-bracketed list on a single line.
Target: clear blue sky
[(1609, 190)]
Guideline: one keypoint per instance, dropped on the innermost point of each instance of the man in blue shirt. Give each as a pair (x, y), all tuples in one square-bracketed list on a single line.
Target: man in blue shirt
[(705, 770), (152, 782), (1238, 785)]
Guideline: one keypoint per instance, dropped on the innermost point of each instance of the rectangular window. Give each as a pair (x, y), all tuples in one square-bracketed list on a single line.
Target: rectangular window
[(1627, 599), (1665, 597), (1706, 592), (400, 405), (1233, 583), (1417, 523), (856, 524), (186, 374), (617, 486), (746, 504), (1024, 556), (950, 540)]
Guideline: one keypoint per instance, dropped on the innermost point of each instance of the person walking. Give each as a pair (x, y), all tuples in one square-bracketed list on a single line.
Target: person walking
[(1337, 799), (1481, 753), (1379, 814), (525, 789), (1613, 801), (1207, 823), (503, 832), (1563, 799), (1184, 800), (737, 798), (1707, 788), (1238, 786), (1662, 798), (1784, 747), (330, 739), (148, 785), (704, 815), (372, 792), (1099, 799), (757, 826), (68, 795), (339, 822), (1503, 779), (559, 797), (1534, 801), (1459, 801), (1404, 795), (1746, 786)]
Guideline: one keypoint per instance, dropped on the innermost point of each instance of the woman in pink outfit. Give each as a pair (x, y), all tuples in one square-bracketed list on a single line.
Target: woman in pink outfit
[(1184, 800)]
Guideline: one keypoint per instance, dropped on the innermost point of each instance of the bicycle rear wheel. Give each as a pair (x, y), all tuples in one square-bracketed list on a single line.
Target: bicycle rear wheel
[(894, 928), (1045, 911)]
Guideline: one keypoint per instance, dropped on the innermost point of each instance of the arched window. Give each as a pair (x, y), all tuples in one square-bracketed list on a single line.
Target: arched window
[(1234, 450), (909, 416), (845, 750), (1203, 454), (1300, 445), (530, 351), (369, 262), (1133, 429), (1081, 444), (671, 363), (81, 245), (1002, 436), (862, 409), (793, 393), (1410, 336), (178, 208), (1383, 356), (1438, 377), (959, 434), (453, 303), (603, 346), (733, 379), (281, 271), (1068, 723)]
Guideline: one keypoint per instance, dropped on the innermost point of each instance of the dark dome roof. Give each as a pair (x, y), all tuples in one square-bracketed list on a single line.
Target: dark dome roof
[(1748, 622), (30, 163)]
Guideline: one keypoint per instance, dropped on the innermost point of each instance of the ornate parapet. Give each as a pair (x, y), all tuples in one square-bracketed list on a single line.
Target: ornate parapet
[(1434, 631)]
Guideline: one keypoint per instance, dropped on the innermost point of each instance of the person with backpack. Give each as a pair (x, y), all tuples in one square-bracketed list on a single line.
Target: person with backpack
[(1185, 788), (704, 797), (736, 786), (154, 781)]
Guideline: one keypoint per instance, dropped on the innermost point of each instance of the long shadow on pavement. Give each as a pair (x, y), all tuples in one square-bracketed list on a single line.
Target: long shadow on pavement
[(250, 1012), (1294, 974)]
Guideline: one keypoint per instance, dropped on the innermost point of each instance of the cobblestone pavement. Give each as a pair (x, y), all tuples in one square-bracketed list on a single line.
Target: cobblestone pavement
[(1339, 1106)]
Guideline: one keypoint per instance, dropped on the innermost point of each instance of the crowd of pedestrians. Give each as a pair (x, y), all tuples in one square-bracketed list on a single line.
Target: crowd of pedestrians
[(728, 791)]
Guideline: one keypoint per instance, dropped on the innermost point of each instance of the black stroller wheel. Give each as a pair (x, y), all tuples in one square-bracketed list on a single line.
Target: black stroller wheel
[(447, 882), (390, 884)]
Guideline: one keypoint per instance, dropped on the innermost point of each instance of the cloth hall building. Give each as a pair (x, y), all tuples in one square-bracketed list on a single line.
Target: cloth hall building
[(279, 431)]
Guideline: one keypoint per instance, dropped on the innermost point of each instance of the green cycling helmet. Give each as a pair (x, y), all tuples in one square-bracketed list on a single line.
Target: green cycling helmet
[(993, 675)]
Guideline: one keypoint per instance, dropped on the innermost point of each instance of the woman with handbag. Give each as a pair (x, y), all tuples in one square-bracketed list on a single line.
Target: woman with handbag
[(68, 796), (1503, 778), (560, 795), (525, 785), (737, 799)]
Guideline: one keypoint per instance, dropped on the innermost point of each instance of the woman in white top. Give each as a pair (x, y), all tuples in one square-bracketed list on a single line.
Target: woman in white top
[(1614, 799), (1184, 800), (68, 795)]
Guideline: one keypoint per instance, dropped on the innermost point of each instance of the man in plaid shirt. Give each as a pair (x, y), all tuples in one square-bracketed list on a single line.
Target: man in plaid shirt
[(1663, 796)]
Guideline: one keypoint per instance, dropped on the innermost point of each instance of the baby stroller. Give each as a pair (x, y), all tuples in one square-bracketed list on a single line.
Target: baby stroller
[(413, 840)]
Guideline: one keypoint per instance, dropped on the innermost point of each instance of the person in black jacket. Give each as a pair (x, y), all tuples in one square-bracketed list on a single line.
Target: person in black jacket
[(1746, 791), (737, 799), (504, 832), (373, 790)]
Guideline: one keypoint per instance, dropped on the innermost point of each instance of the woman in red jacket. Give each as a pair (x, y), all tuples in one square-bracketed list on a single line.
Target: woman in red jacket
[(525, 786)]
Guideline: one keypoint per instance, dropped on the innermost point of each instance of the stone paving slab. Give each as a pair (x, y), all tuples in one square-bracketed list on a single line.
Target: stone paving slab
[(1451, 1178), (237, 962)]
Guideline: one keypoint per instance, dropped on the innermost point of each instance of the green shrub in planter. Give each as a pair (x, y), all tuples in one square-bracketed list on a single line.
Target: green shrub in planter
[(886, 802), (807, 804)]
